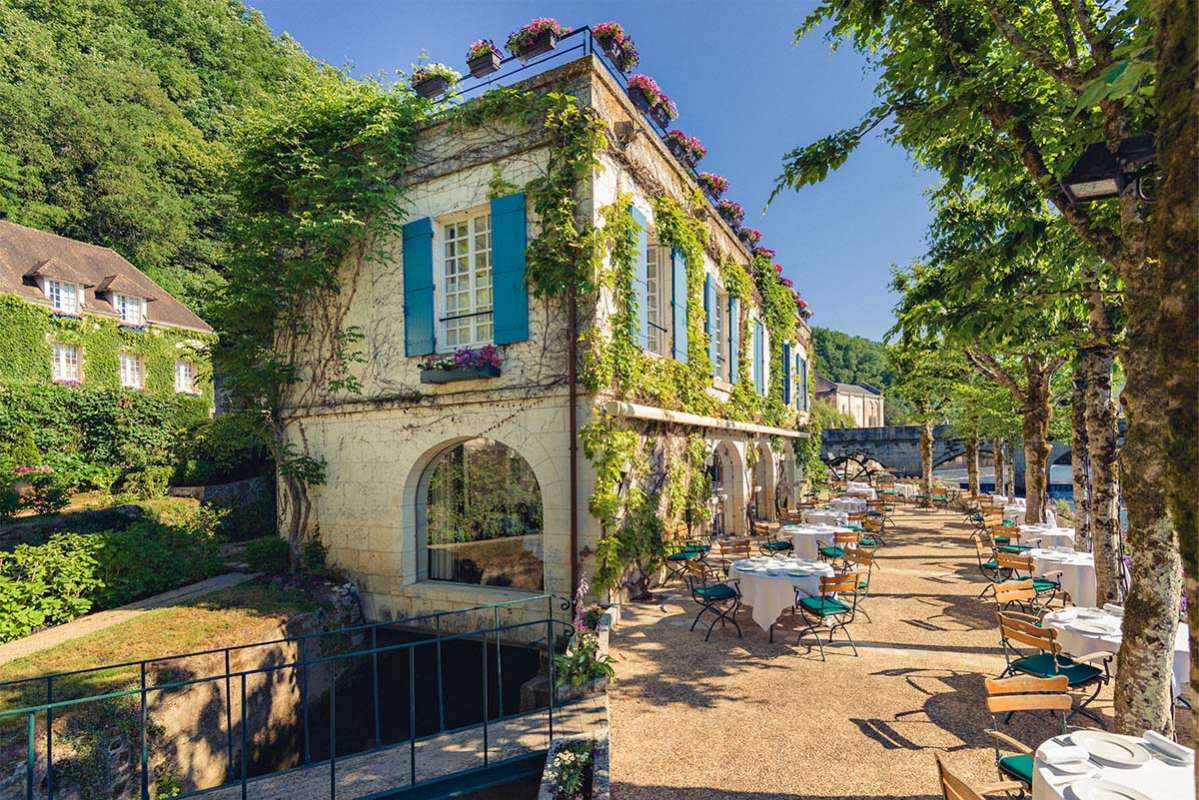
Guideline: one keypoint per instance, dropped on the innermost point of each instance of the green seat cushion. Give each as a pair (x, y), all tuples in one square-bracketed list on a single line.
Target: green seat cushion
[(1044, 585), (940, 498), (863, 585), (890, 491), (1002, 539), (856, 528), (776, 546), (866, 541), (717, 591), (832, 552), (990, 565), (682, 555), (1018, 766), (1041, 666), (823, 606), (1015, 548), (1008, 523), (976, 517)]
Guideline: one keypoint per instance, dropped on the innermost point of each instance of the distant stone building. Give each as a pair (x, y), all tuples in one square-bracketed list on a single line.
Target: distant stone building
[(863, 402)]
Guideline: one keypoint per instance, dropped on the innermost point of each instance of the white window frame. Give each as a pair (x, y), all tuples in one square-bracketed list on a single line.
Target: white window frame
[(132, 310), (659, 290), (481, 326), (130, 378), (65, 362), (188, 372), (56, 291)]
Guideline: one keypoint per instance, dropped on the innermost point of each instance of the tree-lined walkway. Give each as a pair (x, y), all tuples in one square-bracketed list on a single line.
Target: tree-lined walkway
[(743, 718)]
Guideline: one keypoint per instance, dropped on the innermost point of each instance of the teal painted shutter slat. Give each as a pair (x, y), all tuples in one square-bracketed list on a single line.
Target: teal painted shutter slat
[(786, 373), (640, 321), (678, 304), (759, 377), (510, 298), (803, 383), (710, 320), (418, 287), (734, 339)]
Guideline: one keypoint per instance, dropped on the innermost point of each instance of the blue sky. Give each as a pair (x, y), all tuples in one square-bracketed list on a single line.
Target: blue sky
[(742, 87)]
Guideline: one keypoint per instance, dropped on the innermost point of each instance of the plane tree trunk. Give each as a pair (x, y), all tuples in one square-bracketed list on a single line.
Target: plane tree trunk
[(1079, 454)]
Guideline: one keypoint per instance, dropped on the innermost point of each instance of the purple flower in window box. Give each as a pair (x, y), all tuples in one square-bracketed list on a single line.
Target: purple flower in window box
[(535, 37), (764, 252), (465, 363), (715, 185), (750, 236), (68, 382), (787, 282), (482, 57), (686, 148), (732, 212), (433, 80), (616, 45), (649, 97)]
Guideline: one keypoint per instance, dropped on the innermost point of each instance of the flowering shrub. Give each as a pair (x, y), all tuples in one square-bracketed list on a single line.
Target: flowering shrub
[(465, 358), (520, 40), (765, 252), (689, 147), (713, 184), (801, 306), (731, 210), (619, 44), (568, 769), (582, 661), (480, 48), (751, 235), (39, 470), (427, 72), (654, 95), (68, 382)]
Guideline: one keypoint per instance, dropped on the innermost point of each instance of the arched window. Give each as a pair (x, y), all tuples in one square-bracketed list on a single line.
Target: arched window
[(482, 519)]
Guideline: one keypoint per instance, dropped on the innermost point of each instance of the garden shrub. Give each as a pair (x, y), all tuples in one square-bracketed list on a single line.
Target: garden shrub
[(10, 503), (23, 449), (222, 449), (147, 483), (48, 495), (270, 554), (77, 474), (313, 554)]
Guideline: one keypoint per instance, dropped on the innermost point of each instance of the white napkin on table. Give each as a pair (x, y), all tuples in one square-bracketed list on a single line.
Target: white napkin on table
[(1053, 753), (1065, 615), (1113, 609), (1170, 747)]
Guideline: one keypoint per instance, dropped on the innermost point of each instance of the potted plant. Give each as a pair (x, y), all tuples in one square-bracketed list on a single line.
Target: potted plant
[(751, 236), (801, 306), (764, 252), (482, 57), (687, 149), (433, 80), (463, 364), (616, 45), (536, 37), (646, 95), (715, 185), (732, 212)]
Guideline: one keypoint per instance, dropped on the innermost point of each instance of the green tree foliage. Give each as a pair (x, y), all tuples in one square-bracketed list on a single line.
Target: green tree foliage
[(845, 358), (115, 119)]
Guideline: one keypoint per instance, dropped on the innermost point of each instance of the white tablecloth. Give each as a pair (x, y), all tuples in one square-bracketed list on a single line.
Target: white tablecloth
[(862, 490), (806, 538), (1155, 778), (850, 505), (770, 595), (906, 490), (1013, 513), (1078, 643), (824, 516), (1049, 537), (1078, 572)]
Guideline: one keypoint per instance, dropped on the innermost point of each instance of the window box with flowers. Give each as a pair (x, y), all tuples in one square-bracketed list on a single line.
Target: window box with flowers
[(535, 37), (464, 364), (715, 185), (687, 149), (617, 46), (647, 96), (751, 236), (482, 57), (433, 80), (732, 212)]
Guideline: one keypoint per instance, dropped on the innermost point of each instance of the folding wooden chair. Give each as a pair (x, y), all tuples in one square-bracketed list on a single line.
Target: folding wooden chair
[(721, 599), (1020, 568), (1007, 696), (829, 608), (861, 561), (954, 788), (836, 549), (769, 544)]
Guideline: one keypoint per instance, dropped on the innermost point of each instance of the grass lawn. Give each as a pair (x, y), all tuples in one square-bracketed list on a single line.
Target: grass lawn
[(239, 614)]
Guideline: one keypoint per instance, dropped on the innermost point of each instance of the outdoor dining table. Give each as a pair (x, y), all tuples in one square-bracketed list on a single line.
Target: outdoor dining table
[(1133, 768), (807, 538), (768, 584), (1014, 513), (1078, 572), (863, 490), (905, 490), (1084, 630), (824, 516), (1048, 536), (850, 505)]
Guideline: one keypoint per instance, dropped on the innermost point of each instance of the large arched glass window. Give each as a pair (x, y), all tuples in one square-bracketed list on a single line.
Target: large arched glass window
[(482, 522)]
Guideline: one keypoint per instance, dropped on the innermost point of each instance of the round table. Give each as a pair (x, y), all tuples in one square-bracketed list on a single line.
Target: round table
[(824, 516), (1014, 513), (850, 505), (1049, 537), (905, 490), (806, 538), (1078, 572), (1155, 778), (769, 590), (863, 490), (1081, 643)]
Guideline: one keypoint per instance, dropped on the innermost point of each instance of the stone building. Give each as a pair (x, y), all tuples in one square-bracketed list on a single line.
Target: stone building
[(448, 488), (863, 402)]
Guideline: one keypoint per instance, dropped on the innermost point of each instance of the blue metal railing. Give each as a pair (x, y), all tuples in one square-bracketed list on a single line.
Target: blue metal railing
[(300, 669)]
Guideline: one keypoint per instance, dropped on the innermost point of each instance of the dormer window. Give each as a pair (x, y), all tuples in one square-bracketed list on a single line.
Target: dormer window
[(64, 297), (132, 310)]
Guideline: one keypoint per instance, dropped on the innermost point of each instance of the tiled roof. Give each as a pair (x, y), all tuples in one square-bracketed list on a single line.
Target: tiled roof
[(26, 253)]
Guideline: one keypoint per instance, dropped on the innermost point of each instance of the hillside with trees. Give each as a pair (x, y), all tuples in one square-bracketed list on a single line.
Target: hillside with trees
[(844, 358), (115, 119)]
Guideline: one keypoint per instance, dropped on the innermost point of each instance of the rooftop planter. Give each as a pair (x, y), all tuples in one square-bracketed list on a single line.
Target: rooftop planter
[(715, 185), (535, 37), (732, 212), (464, 364), (687, 149), (647, 96), (616, 45), (434, 80), (482, 58), (751, 236)]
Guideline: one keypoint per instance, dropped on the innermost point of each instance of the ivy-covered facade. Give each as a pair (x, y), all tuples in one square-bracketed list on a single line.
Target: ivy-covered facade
[(564, 359)]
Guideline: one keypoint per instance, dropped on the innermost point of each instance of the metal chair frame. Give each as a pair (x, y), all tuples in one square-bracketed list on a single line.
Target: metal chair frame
[(830, 587), (698, 574)]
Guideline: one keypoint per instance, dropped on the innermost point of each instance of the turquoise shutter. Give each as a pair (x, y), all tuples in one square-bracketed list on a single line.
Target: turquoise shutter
[(640, 322), (510, 298), (418, 288), (786, 373), (710, 320), (734, 339), (803, 376), (759, 377), (678, 304)]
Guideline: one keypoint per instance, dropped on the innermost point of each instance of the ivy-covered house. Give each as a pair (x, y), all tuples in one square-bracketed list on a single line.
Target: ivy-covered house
[(75, 314), (564, 358)]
